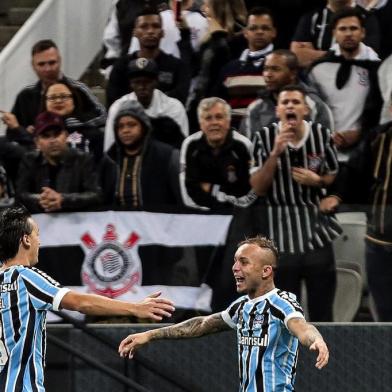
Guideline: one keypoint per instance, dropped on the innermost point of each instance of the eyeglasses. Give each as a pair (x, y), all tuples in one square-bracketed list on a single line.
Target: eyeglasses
[(60, 97)]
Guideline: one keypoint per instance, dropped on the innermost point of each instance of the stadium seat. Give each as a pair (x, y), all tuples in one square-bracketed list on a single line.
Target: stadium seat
[(350, 246), (348, 291)]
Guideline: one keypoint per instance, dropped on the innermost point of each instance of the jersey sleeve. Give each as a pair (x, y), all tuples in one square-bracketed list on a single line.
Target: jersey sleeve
[(231, 314), (261, 148), (289, 307), (45, 292)]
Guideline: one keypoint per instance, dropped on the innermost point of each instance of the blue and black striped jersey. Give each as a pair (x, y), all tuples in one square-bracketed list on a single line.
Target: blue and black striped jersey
[(26, 294), (267, 351)]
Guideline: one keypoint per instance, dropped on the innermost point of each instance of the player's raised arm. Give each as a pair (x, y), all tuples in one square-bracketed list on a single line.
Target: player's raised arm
[(151, 307), (194, 327), (310, 337)]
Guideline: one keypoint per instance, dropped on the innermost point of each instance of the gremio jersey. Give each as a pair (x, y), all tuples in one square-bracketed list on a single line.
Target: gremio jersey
[(26, 294), (267, 351)]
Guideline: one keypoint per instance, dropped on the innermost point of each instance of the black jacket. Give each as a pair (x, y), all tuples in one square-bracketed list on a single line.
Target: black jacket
[(76, 180), (157, 183), (173, 79), (226, 169)]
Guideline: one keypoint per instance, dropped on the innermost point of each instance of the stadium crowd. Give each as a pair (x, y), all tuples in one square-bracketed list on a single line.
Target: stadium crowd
[(225, 107)]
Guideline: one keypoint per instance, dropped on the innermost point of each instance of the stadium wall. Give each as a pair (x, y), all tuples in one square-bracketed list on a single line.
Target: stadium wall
[(360, 361)]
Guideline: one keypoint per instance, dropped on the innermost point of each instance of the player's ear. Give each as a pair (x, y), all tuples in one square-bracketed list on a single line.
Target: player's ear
[(267, 269), (26, 240)]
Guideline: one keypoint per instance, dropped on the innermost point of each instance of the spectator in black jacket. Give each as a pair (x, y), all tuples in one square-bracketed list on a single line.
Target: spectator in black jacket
[(138, 171), (55, 177), (46, 62), (174, 77), (215, 161)]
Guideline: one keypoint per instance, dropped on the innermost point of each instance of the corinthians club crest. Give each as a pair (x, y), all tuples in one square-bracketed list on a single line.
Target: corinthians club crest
[(111, 268)]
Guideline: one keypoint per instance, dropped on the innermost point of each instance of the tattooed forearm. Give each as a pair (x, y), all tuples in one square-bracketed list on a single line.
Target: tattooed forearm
[(310, 335), (197, 326)]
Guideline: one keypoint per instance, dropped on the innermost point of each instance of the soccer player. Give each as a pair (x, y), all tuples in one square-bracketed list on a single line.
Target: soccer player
[(26, 294), (269, 324)]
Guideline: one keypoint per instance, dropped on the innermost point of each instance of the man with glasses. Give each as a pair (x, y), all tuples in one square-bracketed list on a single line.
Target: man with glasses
[(46, 63)]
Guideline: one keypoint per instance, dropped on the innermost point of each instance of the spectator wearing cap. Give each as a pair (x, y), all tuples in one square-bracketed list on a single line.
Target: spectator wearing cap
[(55, 177), (138, 171), (173, 76), (167, 114)]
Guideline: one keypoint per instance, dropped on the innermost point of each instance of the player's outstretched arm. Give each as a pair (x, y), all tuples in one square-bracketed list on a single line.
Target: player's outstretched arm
[(310, 337), (151, 307), (194, 327)]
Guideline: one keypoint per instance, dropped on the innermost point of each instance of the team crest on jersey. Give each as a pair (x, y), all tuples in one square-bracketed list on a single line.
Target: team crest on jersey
[(258, 322), (111, 268)]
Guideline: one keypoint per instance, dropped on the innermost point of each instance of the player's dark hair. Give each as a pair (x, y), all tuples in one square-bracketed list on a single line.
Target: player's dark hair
[(347, 12), (42, 45), (260, 11), (263, 243), (14, 225)]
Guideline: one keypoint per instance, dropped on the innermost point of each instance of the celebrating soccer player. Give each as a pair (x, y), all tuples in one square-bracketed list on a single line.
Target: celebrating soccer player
[(269, 323), (26, 294)]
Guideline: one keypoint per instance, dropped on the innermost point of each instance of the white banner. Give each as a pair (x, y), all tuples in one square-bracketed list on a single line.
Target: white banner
[(110, 241)]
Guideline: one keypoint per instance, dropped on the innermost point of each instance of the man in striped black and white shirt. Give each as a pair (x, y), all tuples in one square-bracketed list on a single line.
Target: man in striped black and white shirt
[(295, 160)]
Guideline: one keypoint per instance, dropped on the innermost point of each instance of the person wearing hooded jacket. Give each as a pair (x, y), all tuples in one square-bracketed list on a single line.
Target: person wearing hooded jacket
[(139, 172)]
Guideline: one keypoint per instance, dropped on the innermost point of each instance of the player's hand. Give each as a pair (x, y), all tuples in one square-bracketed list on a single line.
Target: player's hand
[(154, 308), (131, 343), (323, 353), (305, 176), (329, 204)]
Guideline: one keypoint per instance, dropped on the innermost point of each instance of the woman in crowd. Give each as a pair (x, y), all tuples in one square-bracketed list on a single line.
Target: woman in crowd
[(62, 99)]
